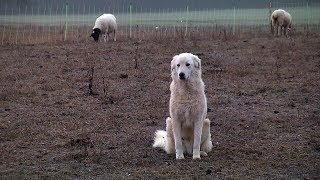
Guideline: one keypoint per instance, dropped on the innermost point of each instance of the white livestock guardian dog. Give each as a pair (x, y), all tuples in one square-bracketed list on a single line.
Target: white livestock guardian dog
[(187, 130)]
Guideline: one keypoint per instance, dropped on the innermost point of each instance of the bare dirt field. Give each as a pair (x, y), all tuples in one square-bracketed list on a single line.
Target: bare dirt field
[(81, 110)]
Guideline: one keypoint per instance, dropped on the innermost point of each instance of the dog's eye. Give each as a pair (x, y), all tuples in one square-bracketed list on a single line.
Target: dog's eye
[(178, 65), (187, 64)]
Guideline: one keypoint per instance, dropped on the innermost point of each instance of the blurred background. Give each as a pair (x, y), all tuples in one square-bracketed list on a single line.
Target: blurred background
[(36, 21)]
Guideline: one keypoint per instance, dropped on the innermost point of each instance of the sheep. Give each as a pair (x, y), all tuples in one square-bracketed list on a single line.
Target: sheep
[(281, 19), (104, 24)]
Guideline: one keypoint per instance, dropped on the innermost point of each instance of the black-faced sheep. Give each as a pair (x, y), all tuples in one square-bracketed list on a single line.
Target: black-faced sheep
[(105, 24), (281, 20)]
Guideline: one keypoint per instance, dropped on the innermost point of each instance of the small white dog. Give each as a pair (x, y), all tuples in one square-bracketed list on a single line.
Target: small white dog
[(187, 131)]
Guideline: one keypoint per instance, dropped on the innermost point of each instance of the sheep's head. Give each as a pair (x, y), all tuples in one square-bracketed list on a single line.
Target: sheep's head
[(95, 34)]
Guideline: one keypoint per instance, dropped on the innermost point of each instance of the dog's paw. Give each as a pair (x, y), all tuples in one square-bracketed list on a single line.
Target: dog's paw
[(202, 153), (179, 156), (196, 157), (196, 154)]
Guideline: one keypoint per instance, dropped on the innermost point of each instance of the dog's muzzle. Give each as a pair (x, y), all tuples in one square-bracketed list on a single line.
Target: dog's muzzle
[(182, 76)]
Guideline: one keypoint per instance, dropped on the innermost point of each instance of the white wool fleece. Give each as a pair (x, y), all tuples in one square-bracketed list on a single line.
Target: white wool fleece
[(107, 23)]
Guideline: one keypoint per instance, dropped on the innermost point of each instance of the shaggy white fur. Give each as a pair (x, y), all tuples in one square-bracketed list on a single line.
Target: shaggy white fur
[(281, 20), (187, 130), (107, 23)]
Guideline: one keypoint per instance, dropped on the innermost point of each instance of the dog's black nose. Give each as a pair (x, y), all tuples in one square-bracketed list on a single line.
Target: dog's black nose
[(182, 76)]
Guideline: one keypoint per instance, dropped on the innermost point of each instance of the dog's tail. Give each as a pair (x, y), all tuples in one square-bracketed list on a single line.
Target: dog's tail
[(160, 139)]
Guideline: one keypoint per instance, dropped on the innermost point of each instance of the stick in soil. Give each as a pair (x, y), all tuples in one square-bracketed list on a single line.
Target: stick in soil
[(106, 99), (136, 56), (104, 89), (90, 92)]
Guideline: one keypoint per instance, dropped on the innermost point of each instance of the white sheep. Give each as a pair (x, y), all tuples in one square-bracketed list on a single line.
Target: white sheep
[(104, 24), (281, 20)]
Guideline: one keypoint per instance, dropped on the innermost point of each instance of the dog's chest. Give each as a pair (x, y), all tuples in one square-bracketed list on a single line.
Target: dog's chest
[(188, 100), (187, 103)]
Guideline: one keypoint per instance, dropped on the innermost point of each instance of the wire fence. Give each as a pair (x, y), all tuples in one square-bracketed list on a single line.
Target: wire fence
[(74, 22)]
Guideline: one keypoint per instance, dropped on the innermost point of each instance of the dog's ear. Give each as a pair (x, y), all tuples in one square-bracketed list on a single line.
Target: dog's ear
[(173, 65), (196, 61)]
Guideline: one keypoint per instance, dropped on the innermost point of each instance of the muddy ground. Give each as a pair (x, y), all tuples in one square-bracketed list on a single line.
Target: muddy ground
[(81, 110)]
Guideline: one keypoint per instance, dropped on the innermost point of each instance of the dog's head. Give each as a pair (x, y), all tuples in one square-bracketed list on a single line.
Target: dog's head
[(185, 66), (95, 34)]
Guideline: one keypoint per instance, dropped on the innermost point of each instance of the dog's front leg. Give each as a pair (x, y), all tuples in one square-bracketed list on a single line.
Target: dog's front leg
[(177, 138), (170, 148), (197, 139)]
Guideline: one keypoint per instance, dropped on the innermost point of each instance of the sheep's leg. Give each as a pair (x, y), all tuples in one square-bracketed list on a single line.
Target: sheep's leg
[(286, 31), (105, 38), (275, 30), (114, 36), (279, 30)]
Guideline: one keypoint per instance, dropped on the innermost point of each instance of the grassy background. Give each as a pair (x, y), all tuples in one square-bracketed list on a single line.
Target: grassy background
[(52, 21), (166, 17)]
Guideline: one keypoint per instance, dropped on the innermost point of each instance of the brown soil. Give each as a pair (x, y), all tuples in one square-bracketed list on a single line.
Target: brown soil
[(81, 110)]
